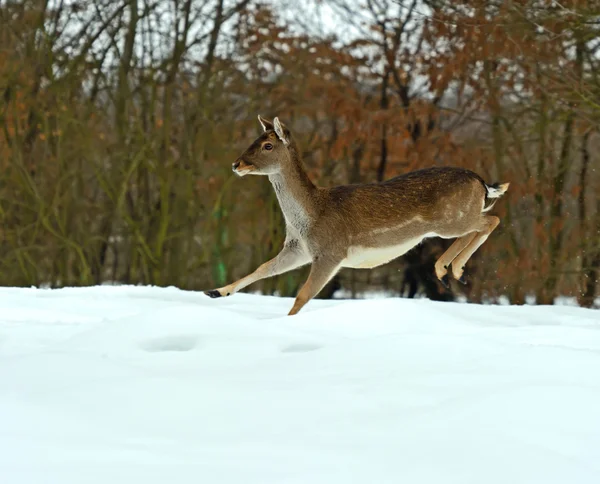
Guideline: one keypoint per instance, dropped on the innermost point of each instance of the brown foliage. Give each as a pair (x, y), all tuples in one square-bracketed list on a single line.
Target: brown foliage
[(119, 124)]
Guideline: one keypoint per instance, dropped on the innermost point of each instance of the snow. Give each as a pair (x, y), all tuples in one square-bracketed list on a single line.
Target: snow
[(151, 385)]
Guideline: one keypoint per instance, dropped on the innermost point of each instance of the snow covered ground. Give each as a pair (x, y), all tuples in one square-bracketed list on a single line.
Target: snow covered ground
[(148, 385)]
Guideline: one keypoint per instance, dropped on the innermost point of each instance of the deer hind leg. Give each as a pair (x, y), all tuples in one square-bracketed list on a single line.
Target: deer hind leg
[(441, 266), (321, 272), (488, 224), (291, 257)]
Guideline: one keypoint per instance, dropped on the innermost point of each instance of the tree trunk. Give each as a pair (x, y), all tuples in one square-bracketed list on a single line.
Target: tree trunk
[(383, 104), (589, 234), (556, 230)]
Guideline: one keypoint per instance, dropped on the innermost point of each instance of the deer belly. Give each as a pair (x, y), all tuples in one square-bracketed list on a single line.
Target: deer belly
[(368, 257)]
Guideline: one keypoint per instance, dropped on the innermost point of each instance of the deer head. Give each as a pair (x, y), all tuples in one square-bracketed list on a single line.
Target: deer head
[(268, 153)]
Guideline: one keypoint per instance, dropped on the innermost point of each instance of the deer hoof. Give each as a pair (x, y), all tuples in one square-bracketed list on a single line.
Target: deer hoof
[(213, 293), (445, 281), (462, 280)]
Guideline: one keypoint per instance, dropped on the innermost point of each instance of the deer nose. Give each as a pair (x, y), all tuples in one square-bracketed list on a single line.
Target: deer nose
[(235, 165)]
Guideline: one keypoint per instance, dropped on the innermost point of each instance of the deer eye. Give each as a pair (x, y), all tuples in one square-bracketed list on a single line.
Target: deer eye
[(268, 146)]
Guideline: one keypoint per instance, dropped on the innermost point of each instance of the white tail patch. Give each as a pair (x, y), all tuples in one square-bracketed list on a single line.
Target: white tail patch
[(489, 207), (493, 192)]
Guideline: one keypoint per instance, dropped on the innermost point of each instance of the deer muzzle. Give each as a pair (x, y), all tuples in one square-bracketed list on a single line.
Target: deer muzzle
[(241, 167)]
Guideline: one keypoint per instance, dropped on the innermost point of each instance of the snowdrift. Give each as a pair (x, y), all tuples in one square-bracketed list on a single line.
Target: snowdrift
[(149, 385)]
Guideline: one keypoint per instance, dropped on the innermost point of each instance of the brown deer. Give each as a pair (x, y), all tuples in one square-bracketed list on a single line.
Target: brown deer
[(364, 225)]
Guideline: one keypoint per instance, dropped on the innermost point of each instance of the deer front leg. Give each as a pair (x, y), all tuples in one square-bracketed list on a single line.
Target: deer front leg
[(291, 257), (321, 272)]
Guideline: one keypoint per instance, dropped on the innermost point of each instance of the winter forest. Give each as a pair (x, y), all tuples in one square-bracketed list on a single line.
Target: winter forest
[(119, 121)]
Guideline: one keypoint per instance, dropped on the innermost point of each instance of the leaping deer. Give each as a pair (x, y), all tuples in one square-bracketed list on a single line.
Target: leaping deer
[(364, 225)]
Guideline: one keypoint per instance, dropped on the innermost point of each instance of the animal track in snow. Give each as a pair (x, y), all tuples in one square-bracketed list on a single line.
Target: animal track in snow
[(301, 348), (171, 343)]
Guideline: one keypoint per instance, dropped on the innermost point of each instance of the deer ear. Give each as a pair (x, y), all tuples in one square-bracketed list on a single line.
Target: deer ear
[(281, 132), (266, 125)]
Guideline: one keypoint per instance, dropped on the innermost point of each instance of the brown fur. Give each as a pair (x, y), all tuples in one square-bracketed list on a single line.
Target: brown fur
[(363, 225)]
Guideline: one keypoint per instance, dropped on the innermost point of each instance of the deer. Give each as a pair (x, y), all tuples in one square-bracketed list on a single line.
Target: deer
[(363, 226)]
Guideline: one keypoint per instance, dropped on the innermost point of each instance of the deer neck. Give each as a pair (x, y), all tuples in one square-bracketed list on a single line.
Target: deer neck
[(295, 191)]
